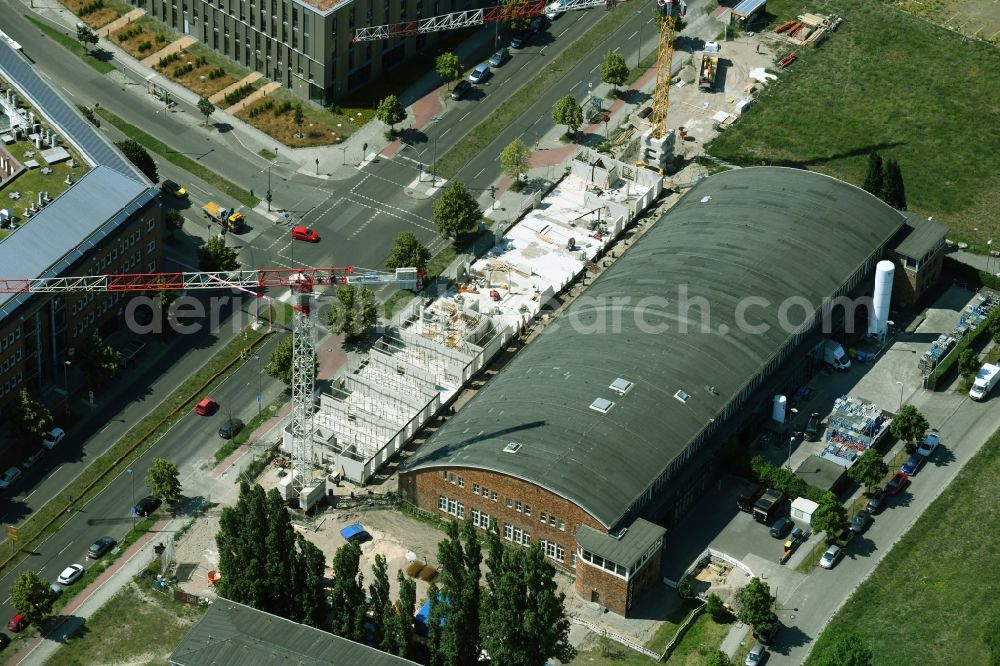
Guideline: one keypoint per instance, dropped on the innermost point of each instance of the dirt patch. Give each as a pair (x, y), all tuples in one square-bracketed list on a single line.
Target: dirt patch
[(198, 78), (97, 18), (100, 18), (315, 132), (138, 41)]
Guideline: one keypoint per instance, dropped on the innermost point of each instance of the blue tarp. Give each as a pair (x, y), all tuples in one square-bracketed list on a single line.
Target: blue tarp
[(354, 531), (420, 619)]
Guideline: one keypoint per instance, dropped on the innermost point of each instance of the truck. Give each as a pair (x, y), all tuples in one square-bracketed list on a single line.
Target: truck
[(709, 66), (832, 354), (229, 219), (986, 379), (746, 501), (764, 508)]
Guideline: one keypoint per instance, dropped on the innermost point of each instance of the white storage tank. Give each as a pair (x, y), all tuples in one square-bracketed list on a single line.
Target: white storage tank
[(778, 408), (884, 272)]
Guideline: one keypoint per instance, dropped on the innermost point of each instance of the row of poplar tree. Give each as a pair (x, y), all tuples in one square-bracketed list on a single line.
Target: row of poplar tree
[(513, 613)]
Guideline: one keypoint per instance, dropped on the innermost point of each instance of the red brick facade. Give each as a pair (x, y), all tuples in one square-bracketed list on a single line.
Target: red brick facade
[(518, 508), (909, 285)]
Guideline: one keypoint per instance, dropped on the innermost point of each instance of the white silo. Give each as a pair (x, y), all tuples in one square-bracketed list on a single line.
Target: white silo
[(881, 299), (778, 408)]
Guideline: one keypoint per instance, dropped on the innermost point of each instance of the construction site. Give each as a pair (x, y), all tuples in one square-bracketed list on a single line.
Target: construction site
[(436, 347)]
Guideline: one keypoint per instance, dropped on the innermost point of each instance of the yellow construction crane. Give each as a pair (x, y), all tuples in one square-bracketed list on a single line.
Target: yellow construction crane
[(658, 141)]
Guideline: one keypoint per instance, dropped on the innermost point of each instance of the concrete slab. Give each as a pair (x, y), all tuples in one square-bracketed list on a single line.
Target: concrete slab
[(121, 22), (221, 95), (172, 47)]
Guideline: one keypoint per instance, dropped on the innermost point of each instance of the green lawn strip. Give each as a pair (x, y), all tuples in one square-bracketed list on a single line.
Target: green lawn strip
[(266, 154), (521, 100), (439, 262), (138, 625), (179, 159), (72, 45), (396, 302), (96, 476), (648, 63), (669, 627), (701, 639), (251, 427), (941, 574), (913, 97)]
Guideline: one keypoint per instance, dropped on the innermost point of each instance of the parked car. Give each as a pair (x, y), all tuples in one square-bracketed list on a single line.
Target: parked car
[(928, 446), (831, 557), (860, 521), (756, 656), (877, 502), (206, 407), (538, 24), (305, 234), (552, 10), (520, 40), (4, 641), (146, 506), (55, 589), (767, 637), (480, 73), (913, 463), (781, 527), (53, 438), (230, 428), (173, 189), (10, 476), (101, 546), (17, 623), (32, 459), (461, 89), (500, 57), (70, 574), (897, 483)]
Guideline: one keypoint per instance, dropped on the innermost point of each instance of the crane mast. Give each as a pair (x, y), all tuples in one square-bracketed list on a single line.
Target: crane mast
[(301, 281), (658, 141)]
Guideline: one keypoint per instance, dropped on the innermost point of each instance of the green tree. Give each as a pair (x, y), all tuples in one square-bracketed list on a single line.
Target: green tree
[(909, 426), (448, 68), (308, 593), (242, 562), (511, 9), (99, 362), (757, 606), (215, 256), (347, 598), (85, 35), (457, 211), (614, 71), (715, 607), (718, 658), (435, 612), (355, 312), (514, 159), (842, 648), (523, 616), (459, 555), (968, 363), (281, 585), (993, 324), (390, 111), (685, 590), (279, 365), (869, 469), (378, 592), (166, 299), (174, 221), (206, 108), (32, 597), (30, 420), (830, 516), (138, 156), (894, 191), (406, 606), (874, 177), (298, 117), (163, 480), (568, 112), (408, 252)]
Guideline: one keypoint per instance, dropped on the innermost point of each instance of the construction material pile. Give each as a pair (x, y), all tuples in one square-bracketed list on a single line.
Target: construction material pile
[(855, 425), (808, 29), (971, 316)]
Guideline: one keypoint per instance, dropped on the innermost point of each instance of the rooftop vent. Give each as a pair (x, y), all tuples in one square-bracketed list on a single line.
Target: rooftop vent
[(620, 386), (681, 395), (512, 447), (620, 533), (601, 405)]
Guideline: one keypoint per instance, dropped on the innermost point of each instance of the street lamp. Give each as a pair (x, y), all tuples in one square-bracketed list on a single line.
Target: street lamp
[(317, 166), (259, 397), (791, 440), (131, 479), (638, 57), (900, 395), (66, 365)]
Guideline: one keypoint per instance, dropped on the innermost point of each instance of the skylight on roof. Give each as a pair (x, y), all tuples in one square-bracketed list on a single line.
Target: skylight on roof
[(681, 395), (620, 386), (512, 447), (601, 405)]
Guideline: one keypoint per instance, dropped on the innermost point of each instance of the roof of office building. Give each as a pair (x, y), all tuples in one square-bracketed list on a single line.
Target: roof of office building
[(606, 398), (919, 236), (621, 548)]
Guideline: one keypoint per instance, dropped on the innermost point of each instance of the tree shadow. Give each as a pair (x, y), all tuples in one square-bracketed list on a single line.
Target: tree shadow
[(815, 161), (102, 55), (222, 128), (412, 137), (635, 97)]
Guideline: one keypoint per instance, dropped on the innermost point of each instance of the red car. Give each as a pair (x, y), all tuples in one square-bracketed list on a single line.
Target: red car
[(896, 483), (17, 623), (306, 234), (206, 407)]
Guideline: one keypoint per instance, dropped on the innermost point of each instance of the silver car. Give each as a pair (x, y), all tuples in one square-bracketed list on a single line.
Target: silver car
[(831, 557), (756, 656)]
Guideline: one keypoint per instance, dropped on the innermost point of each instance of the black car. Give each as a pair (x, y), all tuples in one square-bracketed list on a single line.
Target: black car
[(538, 24), (146, 506), (4, 640), (860, 522), (781, 527), (520, 40), (101, 546), (230, 428), (460, 90), (877, 501)]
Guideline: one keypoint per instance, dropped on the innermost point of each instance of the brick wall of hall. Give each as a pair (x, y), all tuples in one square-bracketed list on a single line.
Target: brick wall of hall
[(424, 487), (612, 591)]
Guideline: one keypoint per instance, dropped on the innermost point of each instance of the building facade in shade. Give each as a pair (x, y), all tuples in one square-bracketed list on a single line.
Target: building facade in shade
[(105, 223), (919, 250), (305, 45), (603, 431)]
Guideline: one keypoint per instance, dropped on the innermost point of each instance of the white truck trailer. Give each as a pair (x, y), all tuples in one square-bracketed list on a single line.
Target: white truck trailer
[(986, 379)]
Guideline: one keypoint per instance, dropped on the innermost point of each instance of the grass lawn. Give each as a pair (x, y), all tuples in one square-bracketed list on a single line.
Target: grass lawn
[(619, 655), (71, 44), (33, 181), (886, 80), (136, 626), (929, 601), (482, 134), (704, 637), (667, 630), (164, 151)]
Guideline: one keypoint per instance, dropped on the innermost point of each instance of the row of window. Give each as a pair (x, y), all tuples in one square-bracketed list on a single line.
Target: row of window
[(450, 506), (10, 361), (11, 384), (553, 550), (109, 258), (9, 339), (482, 519), (517, 506), (608, 565), (454, 479), (516, 534)]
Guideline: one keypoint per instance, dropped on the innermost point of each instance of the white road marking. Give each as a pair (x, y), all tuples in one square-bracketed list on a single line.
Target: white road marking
[(64, 549), (67, 91), (633, 35), (465, 116), (563, 33), (618, 48), (445, 132), (595, 68), (480, 171)]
